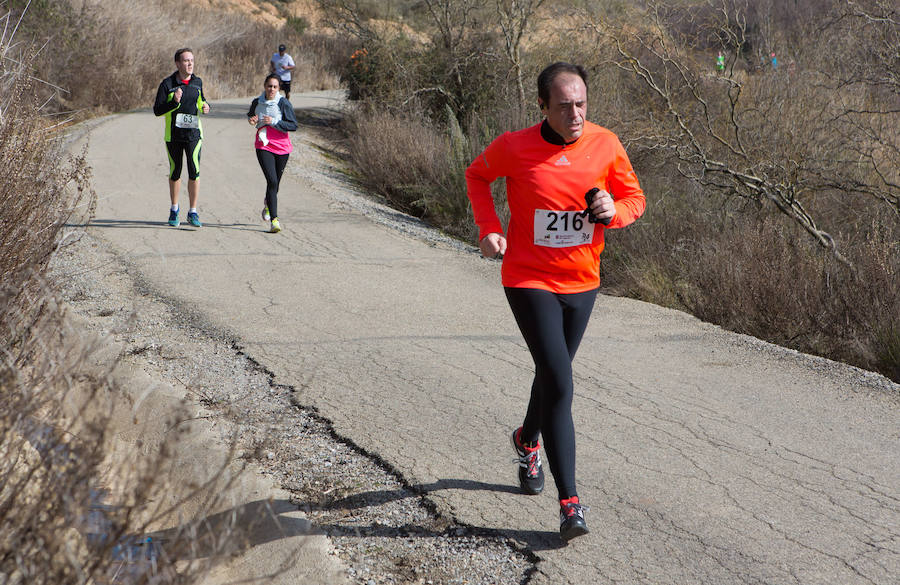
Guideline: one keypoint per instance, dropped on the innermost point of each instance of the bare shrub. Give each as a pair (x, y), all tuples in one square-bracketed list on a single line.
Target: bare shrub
[(69, 513), (110, 55), (438, 95), (782, 136), (814, 140), (750, 272), (450, 60), (737, 166), (416, 167), (47, 469)]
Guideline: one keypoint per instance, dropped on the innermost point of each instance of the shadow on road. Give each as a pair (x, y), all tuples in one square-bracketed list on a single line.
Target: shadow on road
[(232, 111), (243, 527), (534, 540), (236, 529), (317, 116), (143, 224), (378, 498), (136, 557)]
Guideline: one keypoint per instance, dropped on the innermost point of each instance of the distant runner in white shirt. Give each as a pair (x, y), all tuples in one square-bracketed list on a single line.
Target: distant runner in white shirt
[(281, 65)]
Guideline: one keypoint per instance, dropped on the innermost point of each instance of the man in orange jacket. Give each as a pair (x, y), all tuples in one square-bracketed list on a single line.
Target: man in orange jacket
[(567, 181)]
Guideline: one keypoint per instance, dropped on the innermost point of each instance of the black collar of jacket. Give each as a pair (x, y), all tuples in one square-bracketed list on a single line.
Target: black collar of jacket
[(552, 136)]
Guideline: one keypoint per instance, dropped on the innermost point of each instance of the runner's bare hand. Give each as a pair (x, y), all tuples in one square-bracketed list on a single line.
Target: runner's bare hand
[(493, 244)]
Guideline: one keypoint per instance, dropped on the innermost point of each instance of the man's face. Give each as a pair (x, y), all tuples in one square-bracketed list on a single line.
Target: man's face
[(567, 109), (185, 64)]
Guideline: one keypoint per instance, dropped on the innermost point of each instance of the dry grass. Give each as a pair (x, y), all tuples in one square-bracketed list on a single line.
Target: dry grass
[(71, 512), (726, 256), (416, 167), (47, 459), (109, 55), (762, 277)]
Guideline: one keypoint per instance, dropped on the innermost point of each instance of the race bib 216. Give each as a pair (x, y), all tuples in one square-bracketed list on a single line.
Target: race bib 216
[(561, 229)]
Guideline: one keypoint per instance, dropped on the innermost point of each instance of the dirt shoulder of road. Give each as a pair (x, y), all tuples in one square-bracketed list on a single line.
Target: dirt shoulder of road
[(333, 513)]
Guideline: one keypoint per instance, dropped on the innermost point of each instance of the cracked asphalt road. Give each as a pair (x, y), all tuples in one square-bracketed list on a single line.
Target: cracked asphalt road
[(706, 457)]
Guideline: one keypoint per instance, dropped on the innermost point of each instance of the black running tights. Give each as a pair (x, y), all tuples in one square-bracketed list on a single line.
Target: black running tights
[(272, 166), (552, 325)]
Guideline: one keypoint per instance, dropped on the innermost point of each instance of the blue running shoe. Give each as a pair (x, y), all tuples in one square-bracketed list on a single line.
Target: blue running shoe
[(173, 218), (194, 219)]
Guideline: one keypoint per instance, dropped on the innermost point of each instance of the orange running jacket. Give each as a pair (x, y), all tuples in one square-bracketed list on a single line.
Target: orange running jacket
[(550, 244)]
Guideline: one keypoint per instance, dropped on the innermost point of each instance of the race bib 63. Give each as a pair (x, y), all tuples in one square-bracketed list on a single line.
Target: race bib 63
[(187, 121)]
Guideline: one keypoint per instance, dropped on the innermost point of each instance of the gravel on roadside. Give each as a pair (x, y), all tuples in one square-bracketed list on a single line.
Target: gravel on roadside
[(384, 529)]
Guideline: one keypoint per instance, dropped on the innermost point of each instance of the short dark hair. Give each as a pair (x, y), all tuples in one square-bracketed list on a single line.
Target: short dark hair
[(546, 77), (180, 51), (272, 76)]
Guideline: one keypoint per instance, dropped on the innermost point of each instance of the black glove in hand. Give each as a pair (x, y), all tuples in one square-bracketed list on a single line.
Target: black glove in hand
[(589, 198)]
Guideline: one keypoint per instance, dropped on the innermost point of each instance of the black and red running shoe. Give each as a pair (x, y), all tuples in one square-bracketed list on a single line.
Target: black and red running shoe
[(571, 519), (531, 473)]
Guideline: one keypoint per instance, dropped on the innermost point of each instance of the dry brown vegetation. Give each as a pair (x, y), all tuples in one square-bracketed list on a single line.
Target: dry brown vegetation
[(773, 193), (73, 510), (101, 56), (51, 440)]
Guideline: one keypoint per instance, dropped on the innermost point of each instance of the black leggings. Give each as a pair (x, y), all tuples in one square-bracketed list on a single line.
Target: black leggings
[(552, 325), (180, 150), (272, 166)]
